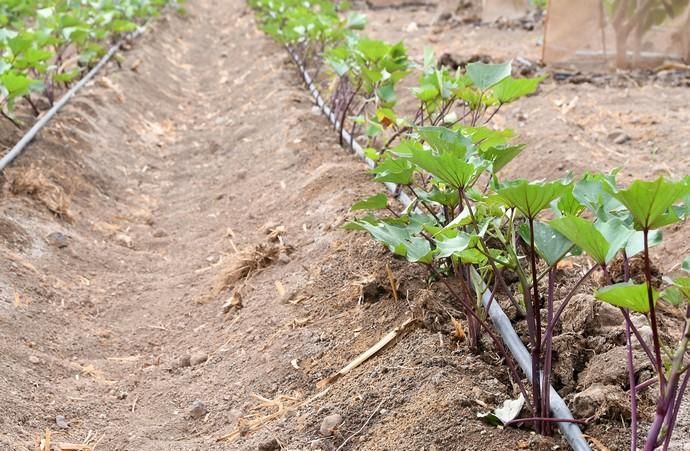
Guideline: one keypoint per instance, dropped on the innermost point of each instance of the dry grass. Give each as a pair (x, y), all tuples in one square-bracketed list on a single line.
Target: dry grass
[(33, 182), (244, 263)]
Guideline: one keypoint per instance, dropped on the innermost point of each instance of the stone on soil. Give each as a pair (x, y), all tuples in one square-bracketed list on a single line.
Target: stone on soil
[(198, 358), (198, 409), (330, 424), (61, 422)]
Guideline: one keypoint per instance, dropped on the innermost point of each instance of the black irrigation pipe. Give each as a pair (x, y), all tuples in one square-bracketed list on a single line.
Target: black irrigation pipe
[(500, 320), (38, 125)]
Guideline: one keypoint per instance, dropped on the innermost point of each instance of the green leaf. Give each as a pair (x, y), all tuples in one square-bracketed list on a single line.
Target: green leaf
[(530, 197), (356, 21), (442, 140), (484, 76), (595, 193), (454, 245), (501, 156), (585, 235), (551, 245), (650, 202), (616, 234), (394, 170), (448, 167), (683, 284), (419, 251), (510, 89), (627, 295), (635, 243), (376, 202), (672, 295), (685, 266)]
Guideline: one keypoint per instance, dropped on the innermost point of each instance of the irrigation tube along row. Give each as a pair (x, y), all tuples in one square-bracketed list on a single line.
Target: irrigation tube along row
[(500, 320), (33, 131)]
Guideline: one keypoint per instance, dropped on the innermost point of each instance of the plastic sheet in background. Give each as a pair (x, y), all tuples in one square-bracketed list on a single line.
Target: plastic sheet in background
[(600, 34), (505, 9)]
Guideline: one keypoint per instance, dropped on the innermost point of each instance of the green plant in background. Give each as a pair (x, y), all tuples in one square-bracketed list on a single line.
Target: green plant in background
[(46, 44)]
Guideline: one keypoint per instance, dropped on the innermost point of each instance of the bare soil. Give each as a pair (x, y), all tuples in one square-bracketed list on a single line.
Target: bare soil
[(174, 236)]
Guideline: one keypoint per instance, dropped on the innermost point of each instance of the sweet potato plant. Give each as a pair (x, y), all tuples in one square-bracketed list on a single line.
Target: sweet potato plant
[(478, 233), (47, 44)]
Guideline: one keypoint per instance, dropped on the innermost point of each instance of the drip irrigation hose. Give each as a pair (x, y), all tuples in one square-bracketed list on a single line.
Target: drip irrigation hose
[(38, 125), (500, 320)]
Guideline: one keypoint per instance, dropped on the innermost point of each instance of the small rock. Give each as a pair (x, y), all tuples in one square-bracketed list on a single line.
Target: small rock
[(35, 360), (198, 409), (183, 362), (330, 424), (124, 240), (122, 395), (198, 358), (159, 234), (271, 445), (234, 301), (61, 422), (284, 259), (619, 137), (411, 27), (57, 239), (241, 174)]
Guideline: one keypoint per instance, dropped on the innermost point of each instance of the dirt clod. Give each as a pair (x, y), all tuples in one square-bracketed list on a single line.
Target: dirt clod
[(198, 409), (61, 422), (198, 358), (610, 368), (183, 362), (330, 424), (57, 239), (270, 445), (601, 400)]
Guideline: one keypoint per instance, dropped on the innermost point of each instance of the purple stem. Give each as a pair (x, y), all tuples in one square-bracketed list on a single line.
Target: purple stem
[(633, 387), (652, 313), (675, 411), (564, 304), (548, 351)]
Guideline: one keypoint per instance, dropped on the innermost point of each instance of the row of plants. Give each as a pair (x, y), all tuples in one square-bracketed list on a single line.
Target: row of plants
[(479, 234), (47, 44)]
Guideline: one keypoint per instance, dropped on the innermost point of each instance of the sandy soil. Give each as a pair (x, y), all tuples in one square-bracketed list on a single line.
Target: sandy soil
[(123, 223)]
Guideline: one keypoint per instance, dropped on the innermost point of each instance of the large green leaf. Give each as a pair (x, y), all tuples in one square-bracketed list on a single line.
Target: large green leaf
[(616, 233), (635, 243), (501, 156), (530, 197), (650, 202), (400, 240), (443, 140), (585, 235), (551, 245), (595, 192), (448, 167), (394, 170), (376, 202), (454, 245), (484, 76), (627, 295), (510, 89)]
